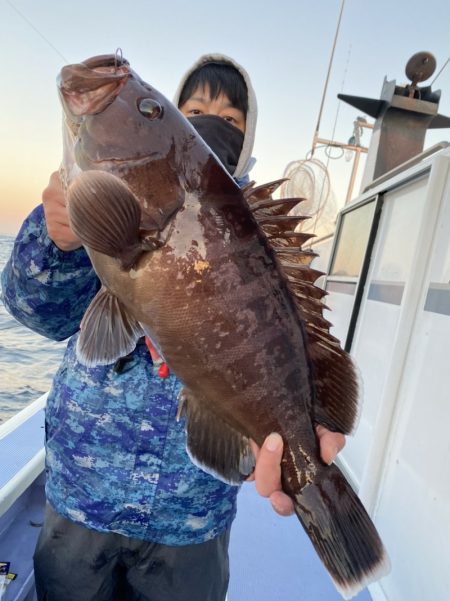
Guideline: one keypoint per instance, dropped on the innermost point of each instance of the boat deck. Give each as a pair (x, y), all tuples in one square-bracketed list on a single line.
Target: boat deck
[(272, 559)]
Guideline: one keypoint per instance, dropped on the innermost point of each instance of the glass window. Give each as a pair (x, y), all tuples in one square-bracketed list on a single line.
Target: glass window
[(352, 241)]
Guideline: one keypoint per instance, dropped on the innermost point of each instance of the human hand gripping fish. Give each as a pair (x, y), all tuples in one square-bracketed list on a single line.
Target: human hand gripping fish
[(218, 280), (267, 474), (57, 217)]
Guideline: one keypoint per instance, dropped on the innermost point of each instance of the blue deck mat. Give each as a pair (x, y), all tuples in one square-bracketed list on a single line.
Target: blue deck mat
[(272, 559), (20, 446)]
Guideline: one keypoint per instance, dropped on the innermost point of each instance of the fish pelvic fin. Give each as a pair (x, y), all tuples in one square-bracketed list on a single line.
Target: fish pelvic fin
[(108, 332), (341, 531), (213, 445), (106, 216)]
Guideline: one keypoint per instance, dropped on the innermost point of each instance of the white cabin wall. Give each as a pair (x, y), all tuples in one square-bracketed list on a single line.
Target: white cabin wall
[(413, 507), (400, 455), (381, 307)]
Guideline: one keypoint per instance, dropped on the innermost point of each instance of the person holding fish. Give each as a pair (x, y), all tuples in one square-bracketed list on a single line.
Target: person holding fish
[(129, 516)]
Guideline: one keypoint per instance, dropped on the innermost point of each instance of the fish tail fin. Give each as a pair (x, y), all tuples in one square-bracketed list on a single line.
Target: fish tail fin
[(342, 532), (105, 215)]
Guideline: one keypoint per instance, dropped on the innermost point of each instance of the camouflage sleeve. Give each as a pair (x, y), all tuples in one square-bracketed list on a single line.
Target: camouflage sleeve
[(44, 288)]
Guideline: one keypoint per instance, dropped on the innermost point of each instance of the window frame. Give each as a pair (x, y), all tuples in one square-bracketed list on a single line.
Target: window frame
[(378, 197), (361, 278)]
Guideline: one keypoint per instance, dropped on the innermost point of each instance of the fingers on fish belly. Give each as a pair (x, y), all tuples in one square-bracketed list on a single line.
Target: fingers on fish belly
[(215, 446), (341, 531), (108, 332), (106, 216)]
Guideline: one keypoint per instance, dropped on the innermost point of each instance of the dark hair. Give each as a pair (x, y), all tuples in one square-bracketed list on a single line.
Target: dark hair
[(221, 78)]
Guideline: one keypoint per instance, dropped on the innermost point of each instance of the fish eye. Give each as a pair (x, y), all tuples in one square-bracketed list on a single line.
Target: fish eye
[(150, 108)]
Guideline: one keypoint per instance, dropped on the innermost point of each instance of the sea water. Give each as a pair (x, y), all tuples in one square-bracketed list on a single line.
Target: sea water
[(28, 361)]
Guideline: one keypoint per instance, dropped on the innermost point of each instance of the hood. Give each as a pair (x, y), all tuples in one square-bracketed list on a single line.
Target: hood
[(246, 161)]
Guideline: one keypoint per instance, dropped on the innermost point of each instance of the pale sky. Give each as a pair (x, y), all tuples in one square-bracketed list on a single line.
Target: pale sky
[(285, 46)]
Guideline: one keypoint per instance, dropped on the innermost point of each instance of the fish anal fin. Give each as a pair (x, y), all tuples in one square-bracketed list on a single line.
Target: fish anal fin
[(214, 445), (106, 216), (108, 332)]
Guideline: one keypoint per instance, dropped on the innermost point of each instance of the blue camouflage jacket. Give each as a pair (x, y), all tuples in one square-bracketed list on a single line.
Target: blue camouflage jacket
[(115, 455)]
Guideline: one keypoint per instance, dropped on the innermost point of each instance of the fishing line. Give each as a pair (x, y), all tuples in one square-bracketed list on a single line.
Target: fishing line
[(445, 64), (36, 30)]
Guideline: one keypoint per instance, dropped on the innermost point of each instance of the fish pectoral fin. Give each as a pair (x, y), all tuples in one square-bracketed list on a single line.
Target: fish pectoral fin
[(106, 216), (108, 331), (214, 445)]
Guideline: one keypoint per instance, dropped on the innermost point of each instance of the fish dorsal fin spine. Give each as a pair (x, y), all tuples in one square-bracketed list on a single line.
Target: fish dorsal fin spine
[(335, 382), (288, 238), (264, 192)]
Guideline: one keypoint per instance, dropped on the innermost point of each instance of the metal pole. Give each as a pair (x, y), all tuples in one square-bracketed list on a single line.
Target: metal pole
[(353, 176), (316, 133)]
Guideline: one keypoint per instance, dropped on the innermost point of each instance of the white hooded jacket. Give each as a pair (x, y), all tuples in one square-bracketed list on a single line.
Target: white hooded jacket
[(246, 161)]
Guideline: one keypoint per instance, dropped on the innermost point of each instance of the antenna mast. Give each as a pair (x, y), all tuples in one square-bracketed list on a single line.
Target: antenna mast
[(316, 133)]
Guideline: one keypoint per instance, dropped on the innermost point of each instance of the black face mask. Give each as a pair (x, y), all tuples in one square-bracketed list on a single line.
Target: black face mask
[(224, 139)]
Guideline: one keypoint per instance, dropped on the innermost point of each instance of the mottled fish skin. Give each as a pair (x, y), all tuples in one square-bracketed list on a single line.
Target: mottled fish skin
[(230, 317), (199, 276)]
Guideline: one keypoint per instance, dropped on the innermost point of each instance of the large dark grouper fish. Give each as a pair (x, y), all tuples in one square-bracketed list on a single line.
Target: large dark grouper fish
[(215, 276)]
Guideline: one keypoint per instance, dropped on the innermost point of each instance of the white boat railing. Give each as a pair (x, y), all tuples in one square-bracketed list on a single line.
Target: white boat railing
[(27, 460)]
